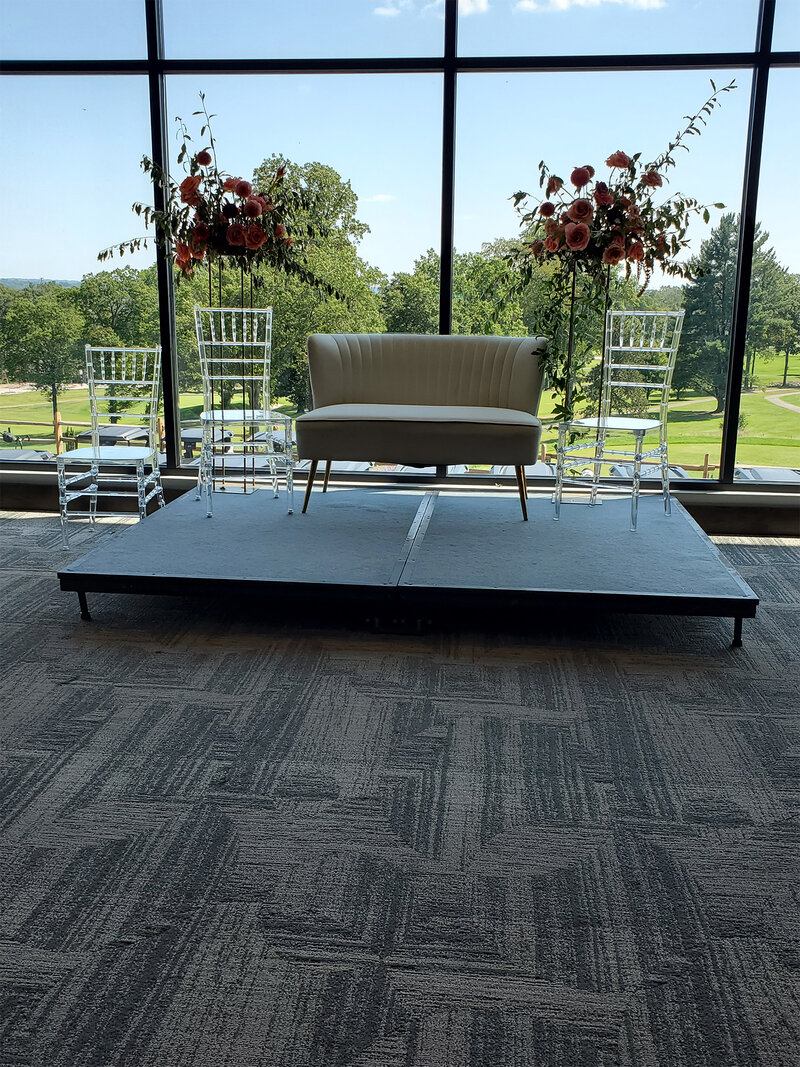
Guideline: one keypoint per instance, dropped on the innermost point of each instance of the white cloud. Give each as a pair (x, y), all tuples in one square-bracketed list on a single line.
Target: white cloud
[(394, 8), (378, 198), (473, 7), (565, 5)]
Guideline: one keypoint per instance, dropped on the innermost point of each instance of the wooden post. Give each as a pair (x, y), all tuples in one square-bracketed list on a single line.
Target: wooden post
[(57, 431), (543, 453), (705, 466), (160, 424)]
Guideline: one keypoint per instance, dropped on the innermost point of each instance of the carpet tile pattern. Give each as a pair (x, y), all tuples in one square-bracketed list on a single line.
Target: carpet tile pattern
[(225, 842)]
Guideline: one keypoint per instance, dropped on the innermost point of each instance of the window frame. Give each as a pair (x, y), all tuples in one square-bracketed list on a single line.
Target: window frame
[(156, 67)]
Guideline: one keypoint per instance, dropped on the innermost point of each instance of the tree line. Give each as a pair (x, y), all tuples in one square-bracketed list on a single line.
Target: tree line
[(43, 328)]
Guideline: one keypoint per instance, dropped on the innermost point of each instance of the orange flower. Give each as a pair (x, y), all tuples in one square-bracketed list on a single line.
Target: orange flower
[(652, 178), (552, 243), (577, 235), (236, 234), (553, 184), (613, 254), (618, 159), (230, 184), (189, 187), (204, 157), (580, 176), (636, 252), (280, 231), (254, 237), (547, 209), (581, 211)]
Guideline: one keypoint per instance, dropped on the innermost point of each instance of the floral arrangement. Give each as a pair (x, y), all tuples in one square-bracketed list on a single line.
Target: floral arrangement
[(212, 216), (595, 226)]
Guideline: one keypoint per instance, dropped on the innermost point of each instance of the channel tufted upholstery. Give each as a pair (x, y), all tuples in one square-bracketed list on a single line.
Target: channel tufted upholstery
[(421, 399)]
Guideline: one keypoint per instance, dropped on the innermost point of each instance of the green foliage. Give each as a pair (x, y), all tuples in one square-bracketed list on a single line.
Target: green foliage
[(42, 339)]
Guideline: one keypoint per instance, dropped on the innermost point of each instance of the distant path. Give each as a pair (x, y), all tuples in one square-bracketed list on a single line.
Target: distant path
[(775, 398)]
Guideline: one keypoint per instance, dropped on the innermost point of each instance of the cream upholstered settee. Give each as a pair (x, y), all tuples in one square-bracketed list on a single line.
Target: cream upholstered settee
[(422, 399)]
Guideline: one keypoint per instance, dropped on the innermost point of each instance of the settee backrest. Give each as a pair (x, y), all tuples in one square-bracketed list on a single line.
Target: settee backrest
[(398, 368)]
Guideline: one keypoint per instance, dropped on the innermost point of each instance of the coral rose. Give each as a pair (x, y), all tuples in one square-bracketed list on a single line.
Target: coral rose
[(552, 228), (602, 197), (254, 236), (580, 211), (189, 187), (204, 157), (577, 236), (547, 209), (580, 176), (243, 188), (289, 242), (624, 202), (636, 251), (230, 184), (280, 231), (613, 254), (201, 232), (235, 234), (536, 248), (260, 200), (552, 243), (252, 208), (590, 168), (618, 159), (554, 183), (198, 253), (182, 252), (652, 178)]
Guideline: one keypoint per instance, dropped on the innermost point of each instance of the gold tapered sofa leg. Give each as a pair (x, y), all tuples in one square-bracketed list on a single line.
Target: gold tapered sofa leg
[(523, 491), (312, 470)]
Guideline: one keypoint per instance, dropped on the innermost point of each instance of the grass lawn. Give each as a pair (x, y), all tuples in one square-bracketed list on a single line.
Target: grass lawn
[(770, 436)]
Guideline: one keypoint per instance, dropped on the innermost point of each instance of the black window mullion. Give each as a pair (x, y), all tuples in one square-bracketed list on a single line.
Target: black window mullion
[(747, 228), (448, 168), (166, 295)]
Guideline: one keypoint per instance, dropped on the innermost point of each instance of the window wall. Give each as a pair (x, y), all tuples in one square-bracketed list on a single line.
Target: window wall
[(420, 120)]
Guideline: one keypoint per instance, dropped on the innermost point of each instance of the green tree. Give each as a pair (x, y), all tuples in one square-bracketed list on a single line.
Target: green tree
[(706, 340), (42, 340), (120, 307)]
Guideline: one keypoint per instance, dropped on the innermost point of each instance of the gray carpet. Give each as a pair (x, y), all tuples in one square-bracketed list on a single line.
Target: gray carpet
[(228, 842)]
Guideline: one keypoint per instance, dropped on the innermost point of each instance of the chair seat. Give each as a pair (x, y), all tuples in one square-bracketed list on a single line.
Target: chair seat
[(620, 422), (418, 433), (123, 457)]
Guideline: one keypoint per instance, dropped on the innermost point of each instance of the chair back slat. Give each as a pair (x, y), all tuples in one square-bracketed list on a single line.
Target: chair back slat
[(124, 386), (235, 346), (641, 348)]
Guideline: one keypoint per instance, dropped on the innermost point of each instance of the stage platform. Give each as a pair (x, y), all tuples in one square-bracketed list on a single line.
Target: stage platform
[(397, 554)]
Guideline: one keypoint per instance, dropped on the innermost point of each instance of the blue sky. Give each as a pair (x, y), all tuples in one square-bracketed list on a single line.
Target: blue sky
[(77, 142)]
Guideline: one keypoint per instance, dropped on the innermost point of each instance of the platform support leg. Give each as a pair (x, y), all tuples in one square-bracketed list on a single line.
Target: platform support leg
[(737, 632), (84, 606)]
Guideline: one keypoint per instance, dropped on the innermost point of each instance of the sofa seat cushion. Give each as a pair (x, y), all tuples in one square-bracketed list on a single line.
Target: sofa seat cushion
[(418, 433)]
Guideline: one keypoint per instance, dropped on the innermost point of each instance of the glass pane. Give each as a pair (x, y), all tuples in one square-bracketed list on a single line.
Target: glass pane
[(303, 29), (493, 162), (78, 140), (768, 446), (786, 31), (378, 184), (604, 27), (78, 29)]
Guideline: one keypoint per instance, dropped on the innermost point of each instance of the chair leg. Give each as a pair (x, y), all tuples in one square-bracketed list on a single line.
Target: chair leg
[(312, 472), (327, 475), (665, 479), (637, 478), (559, 486), (523, 491)]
